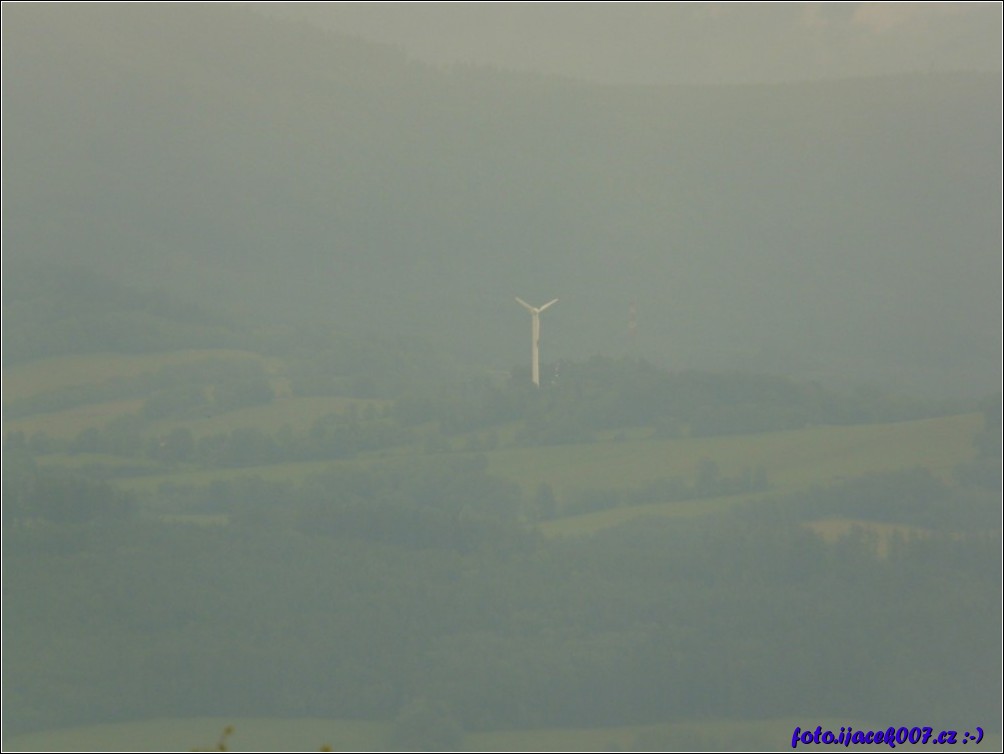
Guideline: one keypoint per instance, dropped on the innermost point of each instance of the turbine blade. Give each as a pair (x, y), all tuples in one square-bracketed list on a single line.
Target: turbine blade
[(530, 308), (547, 305)]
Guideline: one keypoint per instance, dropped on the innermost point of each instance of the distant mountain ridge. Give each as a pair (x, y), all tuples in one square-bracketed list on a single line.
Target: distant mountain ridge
[(273, 173)]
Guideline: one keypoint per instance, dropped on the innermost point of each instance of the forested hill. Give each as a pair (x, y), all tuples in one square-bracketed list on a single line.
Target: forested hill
[(255, 171)]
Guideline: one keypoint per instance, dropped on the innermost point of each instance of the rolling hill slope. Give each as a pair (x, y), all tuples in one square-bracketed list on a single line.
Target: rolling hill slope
[(258, 171)]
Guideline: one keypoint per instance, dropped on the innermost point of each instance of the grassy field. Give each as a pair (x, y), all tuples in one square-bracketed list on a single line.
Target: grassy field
[(626, 459), (589, 523), (310, 734), (47, 375), (69, 423), (296, 413), (276, 472), (792, 459)]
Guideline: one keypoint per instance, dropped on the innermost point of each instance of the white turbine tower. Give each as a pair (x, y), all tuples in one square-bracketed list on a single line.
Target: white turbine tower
[(535, 337)]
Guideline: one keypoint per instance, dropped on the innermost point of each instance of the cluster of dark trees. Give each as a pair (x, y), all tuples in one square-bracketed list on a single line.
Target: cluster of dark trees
[(914, 497), (985, 469), (588, 399), (450, 503), (603, 393), (60, 309), (56, 496), (431, 610)]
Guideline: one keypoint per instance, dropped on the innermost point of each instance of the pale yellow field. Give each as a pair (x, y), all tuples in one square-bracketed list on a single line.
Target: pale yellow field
[(589, 523), (296, 413), (69, 423), (792, 459), (46, 375)]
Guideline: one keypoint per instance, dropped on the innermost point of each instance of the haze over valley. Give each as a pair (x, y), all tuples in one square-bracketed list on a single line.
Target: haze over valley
[(273, 456)]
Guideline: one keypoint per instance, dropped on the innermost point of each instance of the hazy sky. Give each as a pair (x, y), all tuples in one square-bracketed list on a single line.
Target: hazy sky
[(679, 42)]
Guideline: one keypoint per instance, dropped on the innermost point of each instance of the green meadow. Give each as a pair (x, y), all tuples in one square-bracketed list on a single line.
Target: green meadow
[(296, 413), (59, 372), (68, 423), (334, 482), (792, 459)]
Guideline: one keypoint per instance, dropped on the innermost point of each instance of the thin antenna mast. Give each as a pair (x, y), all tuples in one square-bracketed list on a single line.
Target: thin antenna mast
[(633, 327)]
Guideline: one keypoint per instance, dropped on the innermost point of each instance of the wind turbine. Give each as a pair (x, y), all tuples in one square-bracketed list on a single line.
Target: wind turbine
[(535, 337)]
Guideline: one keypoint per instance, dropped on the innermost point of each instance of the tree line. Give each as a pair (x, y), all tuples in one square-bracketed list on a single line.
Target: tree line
[(465, 617)]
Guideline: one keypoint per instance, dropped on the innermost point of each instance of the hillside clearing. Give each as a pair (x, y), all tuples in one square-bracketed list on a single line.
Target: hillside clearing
[(57, 373), (792, 459)]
